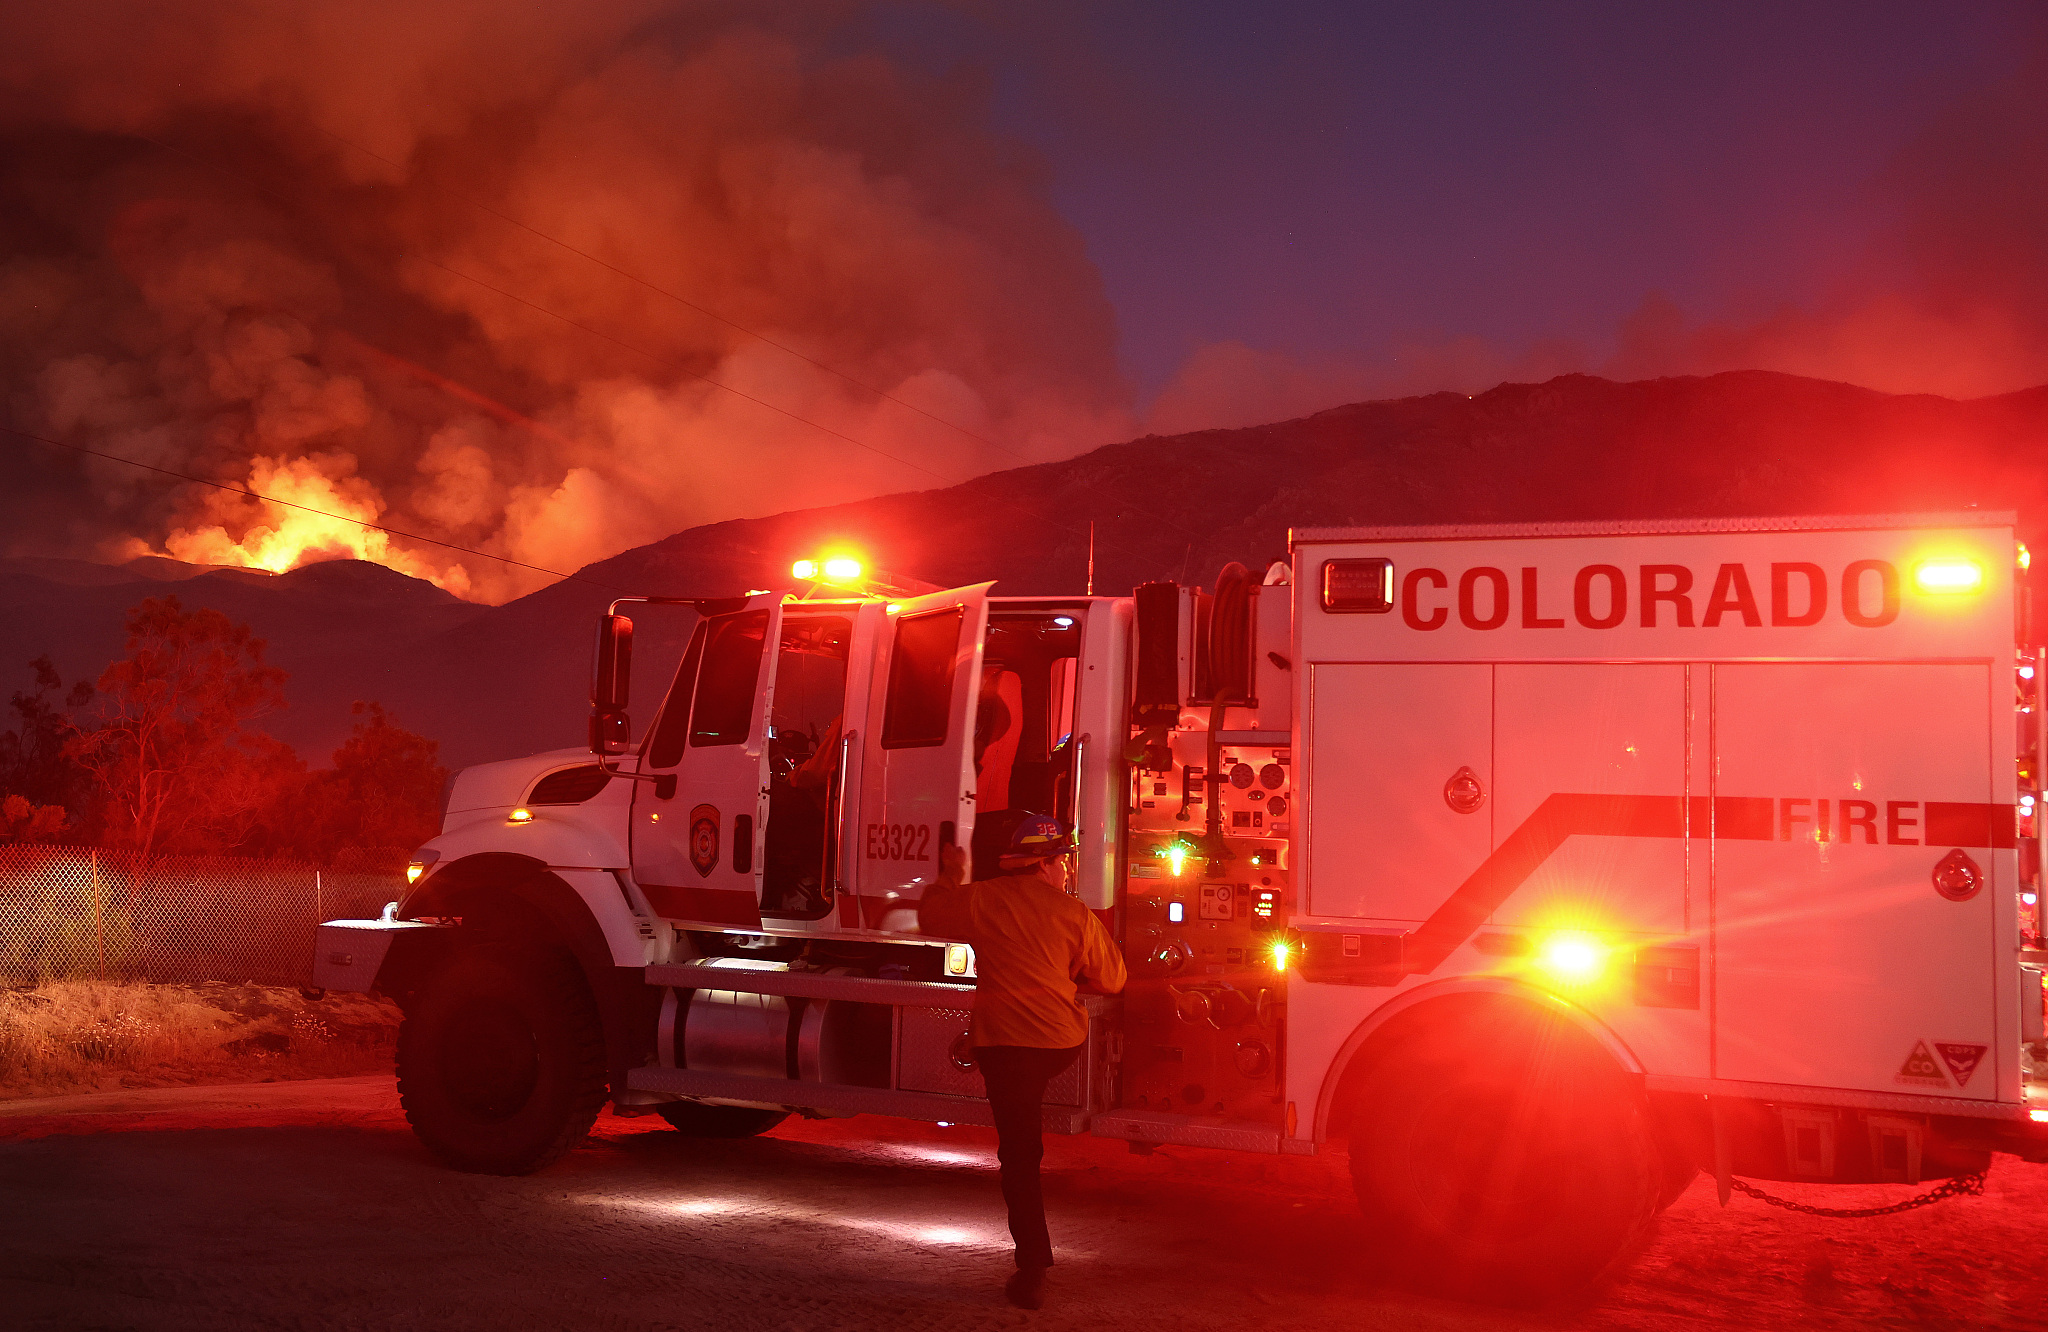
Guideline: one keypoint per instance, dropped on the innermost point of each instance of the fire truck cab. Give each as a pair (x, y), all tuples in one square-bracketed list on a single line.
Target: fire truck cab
[(1541, 866)]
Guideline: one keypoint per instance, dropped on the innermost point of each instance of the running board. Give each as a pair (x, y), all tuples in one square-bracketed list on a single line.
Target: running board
[(811, 985), (795, 1095), (1158, 1126)]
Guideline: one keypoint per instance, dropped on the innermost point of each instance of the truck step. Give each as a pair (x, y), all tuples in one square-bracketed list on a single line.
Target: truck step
[(810, 985), (797, 1095)]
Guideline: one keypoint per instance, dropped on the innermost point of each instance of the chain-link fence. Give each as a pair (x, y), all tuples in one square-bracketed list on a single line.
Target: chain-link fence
[(78, 912)]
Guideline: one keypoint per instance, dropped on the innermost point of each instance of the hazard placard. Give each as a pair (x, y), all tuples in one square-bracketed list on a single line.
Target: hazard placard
[(1962, 1060), (1920, 1070)]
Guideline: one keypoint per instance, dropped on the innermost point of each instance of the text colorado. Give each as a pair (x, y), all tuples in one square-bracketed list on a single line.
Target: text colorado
[(1604, 596)]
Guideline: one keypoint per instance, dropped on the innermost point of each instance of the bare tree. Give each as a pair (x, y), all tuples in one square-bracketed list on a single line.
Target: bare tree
[(173, 753)]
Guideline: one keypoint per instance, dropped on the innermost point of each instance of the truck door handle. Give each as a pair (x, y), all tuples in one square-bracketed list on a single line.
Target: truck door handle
[(1074, 791), (837, 818)]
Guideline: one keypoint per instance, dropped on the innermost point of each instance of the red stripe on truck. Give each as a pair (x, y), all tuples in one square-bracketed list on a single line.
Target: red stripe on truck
[(1566, 815), (713, 906), (1970, 825), (1741, 818)]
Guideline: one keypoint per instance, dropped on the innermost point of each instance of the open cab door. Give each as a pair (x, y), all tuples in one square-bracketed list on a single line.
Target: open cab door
[(696, 844), (918, 768)]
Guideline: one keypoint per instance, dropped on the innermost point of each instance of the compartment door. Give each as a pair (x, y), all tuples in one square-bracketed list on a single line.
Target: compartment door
[(1604, 731), (1840, 790), (1385, 839), (918, 768), (697, 855)]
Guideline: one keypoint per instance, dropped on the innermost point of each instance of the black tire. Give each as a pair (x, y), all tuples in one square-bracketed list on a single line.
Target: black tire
[(501, 1064), (1508, 1160), (718, 1121)]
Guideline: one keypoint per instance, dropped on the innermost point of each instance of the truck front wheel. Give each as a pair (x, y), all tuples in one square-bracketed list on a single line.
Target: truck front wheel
[(501, 1065), (1506, 1160)]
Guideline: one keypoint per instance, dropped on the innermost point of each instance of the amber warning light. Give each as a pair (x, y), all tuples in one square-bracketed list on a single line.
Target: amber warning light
[(1948, 574), (1572, 958)]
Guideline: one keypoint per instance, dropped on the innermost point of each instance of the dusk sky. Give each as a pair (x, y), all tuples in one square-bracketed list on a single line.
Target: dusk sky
[(550, 282), (1333, 182)]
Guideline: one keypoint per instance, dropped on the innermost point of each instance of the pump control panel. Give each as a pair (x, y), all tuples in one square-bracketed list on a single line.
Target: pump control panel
[(1205, 1006), (1255, 785)]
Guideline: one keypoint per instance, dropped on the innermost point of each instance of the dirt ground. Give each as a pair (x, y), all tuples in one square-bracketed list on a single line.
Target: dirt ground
[(308, 1205)]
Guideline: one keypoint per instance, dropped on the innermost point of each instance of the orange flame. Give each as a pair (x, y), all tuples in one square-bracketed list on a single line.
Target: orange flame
[(284, 538)]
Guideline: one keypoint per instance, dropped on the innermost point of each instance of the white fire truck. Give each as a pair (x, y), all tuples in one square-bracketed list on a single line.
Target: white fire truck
[(1542, 866)]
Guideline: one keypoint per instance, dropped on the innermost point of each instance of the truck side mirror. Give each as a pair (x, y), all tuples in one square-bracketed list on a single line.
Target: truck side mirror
[(611, 731), (611, 681), (611, 684)]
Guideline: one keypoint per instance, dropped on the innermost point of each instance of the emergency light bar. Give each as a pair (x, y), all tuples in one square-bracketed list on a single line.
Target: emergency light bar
[(853, 574), (836, 569)]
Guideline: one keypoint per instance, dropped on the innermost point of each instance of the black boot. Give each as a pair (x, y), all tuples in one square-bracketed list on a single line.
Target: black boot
[(1026, 1288)]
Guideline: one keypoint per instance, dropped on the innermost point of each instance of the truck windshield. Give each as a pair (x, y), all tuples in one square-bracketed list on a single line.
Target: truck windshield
[(665, 750)]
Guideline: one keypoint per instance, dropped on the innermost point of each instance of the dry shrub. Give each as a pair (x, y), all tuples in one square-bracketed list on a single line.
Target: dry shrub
[(67, 1036)]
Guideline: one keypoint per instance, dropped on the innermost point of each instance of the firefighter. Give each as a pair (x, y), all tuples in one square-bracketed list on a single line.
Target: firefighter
[(1035, 945)]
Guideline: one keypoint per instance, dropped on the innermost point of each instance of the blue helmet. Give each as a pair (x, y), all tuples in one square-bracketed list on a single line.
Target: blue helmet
[(1040, 836), (1017, 834)]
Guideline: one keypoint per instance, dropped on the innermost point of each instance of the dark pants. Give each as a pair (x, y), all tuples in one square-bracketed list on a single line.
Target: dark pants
[(1015, 1076)]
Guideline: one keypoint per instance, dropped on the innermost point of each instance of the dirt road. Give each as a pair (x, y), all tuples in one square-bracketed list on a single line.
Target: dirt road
[(308, 1205)]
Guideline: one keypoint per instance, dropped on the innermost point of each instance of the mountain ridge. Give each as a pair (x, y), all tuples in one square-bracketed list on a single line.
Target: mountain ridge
[(491, 682)]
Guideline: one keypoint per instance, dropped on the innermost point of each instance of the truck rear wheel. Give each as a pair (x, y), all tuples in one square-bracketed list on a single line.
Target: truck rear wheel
[(718, 1121), (1508, 1160), (501, 1065)]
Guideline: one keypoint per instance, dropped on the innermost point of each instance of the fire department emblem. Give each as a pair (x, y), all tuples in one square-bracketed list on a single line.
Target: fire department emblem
[(704, 839), (1962, 1059)]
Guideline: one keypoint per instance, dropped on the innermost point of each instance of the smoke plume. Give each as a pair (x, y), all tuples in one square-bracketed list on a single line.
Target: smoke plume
[(310, 249)]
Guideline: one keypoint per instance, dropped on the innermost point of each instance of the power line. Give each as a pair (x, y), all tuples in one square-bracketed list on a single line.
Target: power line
[(663, 362), (304, 508), (681, 369), (689, 304), (659, 360), (655, 357), (637, 351)]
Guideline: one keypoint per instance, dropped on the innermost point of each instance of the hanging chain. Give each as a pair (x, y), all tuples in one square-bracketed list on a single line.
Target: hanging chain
[(1953, 1188)]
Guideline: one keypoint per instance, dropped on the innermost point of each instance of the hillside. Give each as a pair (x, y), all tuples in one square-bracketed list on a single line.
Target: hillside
[(492, 682), (344, 630)]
